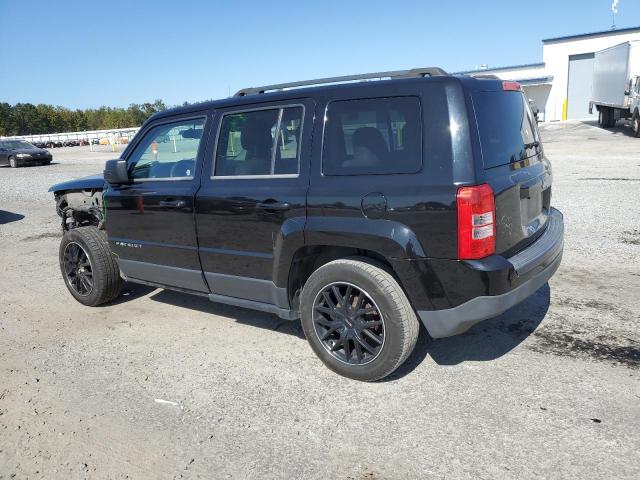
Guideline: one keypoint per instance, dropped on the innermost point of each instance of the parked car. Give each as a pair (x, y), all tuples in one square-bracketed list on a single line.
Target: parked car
[(361, 208), (18, 153)]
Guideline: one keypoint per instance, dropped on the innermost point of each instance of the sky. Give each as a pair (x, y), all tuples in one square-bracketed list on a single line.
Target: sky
[(82, 54)]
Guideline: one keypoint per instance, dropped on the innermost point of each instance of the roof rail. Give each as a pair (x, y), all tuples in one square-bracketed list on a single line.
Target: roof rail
[(414, 72), (486, 76)]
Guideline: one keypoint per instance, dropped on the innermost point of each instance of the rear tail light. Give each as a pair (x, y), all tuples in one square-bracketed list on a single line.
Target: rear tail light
[(476, 222), (515, 86)]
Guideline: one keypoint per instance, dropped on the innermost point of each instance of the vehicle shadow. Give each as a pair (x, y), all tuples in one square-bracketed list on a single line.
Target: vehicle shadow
[(241, 315), (621, 126), (8, 217), (488, 340), (130, 291)]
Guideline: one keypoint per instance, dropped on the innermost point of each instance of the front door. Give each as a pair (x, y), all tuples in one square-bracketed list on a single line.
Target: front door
[(253, 199), (150, 222)]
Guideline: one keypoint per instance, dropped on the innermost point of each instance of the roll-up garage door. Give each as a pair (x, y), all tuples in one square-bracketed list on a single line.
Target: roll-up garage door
[(579, 87)]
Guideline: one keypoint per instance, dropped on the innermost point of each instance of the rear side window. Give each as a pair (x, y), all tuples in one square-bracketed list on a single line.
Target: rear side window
[(259, 143), (372, 136), (506, 127)]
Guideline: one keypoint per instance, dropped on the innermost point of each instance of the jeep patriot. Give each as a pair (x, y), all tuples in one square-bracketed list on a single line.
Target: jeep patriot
[(362, 208)]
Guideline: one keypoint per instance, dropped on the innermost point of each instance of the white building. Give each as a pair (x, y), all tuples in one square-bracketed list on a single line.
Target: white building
[(561, 84)]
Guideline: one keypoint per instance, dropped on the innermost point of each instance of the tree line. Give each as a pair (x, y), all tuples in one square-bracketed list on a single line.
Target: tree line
[(29, 119)]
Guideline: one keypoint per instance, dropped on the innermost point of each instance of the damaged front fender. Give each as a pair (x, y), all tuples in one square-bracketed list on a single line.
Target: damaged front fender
[(79, 202)]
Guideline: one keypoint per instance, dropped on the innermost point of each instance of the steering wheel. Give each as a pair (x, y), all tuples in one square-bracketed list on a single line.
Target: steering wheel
[(183, 168)]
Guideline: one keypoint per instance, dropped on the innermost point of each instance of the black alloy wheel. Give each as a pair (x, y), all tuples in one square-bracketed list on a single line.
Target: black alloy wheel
[(77, 269), (348, 323)]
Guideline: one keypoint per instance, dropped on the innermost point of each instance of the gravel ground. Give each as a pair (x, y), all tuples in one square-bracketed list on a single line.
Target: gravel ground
[(160, 384)]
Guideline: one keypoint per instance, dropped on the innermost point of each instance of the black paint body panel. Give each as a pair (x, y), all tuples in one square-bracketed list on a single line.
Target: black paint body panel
[(245, 252)]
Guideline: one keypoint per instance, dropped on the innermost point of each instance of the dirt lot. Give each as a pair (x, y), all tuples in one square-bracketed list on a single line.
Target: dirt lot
[(165, 385)]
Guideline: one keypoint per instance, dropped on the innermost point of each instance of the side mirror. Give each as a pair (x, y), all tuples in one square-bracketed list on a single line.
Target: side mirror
[(115, 172)]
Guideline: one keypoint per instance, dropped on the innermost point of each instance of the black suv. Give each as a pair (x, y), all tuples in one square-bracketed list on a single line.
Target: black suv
[(361, 208)]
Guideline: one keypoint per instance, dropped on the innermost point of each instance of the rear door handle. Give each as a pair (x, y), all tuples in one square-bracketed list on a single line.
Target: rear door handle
[(272, 206), (173, 203)]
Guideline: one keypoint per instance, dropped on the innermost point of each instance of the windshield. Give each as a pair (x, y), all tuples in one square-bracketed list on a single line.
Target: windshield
[(506, 126), (15, 144)]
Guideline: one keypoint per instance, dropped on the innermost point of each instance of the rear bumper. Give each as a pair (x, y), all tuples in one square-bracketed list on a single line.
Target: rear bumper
[(515, 279)]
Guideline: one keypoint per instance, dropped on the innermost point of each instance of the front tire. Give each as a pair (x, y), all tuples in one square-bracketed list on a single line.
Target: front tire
[(88, 268), (635, 124), (13, 162), (357, 319)]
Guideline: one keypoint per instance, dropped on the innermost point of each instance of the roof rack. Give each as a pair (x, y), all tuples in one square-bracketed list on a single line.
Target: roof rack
[(414, 72), (486, 76)]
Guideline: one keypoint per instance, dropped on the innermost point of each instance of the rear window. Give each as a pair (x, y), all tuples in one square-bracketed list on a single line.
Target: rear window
[(507, 130), (372, 136)]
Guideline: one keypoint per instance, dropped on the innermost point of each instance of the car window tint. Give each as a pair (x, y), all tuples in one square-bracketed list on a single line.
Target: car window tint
[(288, 144), (169, 150), (259, 143), (372, 136), (507, 130)]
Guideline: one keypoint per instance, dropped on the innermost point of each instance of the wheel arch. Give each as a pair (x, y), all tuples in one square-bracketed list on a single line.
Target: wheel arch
[(309, 258), (303, 246)]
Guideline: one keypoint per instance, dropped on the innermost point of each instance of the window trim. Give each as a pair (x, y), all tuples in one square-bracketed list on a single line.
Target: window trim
[(167, 121), (324, 132), (256, 177)]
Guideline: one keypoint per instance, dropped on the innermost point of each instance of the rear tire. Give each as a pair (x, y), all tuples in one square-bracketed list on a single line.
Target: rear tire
[(338, 336), (606, 117), (88, 268)]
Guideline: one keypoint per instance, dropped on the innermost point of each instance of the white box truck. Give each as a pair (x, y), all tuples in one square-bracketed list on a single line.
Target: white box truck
[(616, 85)]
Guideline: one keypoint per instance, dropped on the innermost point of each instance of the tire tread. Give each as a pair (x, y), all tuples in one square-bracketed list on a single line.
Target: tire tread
[(389, 287), (96, 242)]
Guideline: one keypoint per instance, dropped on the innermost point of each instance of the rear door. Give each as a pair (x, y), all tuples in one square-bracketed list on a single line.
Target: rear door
[(150, 222), (253, 198), (515, 167)]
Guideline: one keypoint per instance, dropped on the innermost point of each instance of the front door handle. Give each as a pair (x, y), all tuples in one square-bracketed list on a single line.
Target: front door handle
[(273, 206), (173, 203)]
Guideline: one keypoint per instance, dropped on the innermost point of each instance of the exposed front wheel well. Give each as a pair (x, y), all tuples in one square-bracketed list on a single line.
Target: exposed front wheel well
[(79, 208), (308, 259)]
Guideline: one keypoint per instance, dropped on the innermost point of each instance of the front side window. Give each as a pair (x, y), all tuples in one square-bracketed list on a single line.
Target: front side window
[(167, 151), (15, 144), (372, 136), (259, 143)]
